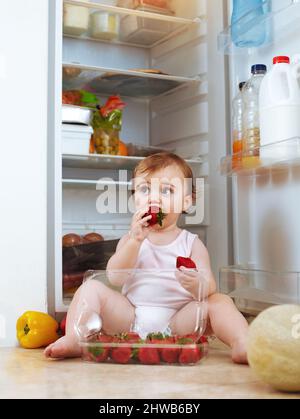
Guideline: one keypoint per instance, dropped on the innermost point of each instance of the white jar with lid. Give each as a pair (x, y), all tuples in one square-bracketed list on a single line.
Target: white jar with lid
[(76, 19), (104, 25)]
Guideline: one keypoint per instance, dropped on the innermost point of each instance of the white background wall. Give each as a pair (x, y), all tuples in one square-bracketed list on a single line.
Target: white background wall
[(23, 160)]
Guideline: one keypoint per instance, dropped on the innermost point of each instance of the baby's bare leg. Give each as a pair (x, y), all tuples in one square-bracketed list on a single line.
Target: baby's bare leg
[(115, 310), (188, 319), (226, 322), (229, 325)]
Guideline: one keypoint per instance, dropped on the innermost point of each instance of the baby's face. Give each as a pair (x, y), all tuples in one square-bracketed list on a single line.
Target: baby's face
[(167, 189)]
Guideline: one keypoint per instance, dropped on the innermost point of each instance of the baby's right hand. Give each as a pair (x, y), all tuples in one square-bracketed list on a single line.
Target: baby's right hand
[(139, 226)]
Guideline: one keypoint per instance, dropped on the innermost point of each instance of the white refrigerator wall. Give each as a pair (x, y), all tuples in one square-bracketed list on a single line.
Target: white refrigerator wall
[(266, 208), (23, 168)]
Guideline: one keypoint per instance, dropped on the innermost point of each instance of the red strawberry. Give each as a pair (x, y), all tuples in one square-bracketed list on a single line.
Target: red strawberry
[(121, 355), (203, 339), (169, 355), (155, 338), (131, 337), (186, 262), (104, 338), (62, 325), (148, 356), (101, 352), (191, 337), (190, 355), (157, 216)]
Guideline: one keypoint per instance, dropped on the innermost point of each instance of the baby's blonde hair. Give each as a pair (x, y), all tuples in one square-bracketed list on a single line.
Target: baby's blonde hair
[(162, 160)]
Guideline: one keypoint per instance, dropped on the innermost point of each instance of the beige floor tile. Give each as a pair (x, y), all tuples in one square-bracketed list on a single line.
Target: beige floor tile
[(27, 374)]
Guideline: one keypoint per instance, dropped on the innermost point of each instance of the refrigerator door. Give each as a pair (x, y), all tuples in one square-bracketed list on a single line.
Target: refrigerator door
[(266, 198)]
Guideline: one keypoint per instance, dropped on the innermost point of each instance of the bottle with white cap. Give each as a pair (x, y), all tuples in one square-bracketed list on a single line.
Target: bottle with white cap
[(279, 107)]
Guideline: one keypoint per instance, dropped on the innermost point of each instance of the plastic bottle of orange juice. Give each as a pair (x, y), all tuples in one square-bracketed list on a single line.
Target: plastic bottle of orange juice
[(251, 123), (237, 127)]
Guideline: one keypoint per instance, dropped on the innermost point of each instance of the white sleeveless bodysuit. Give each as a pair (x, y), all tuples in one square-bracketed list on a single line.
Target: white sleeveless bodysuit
[(153, 288)]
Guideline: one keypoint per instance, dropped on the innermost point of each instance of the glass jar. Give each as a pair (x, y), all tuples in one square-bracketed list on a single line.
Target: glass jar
[(104, 25), (106, 141), (76, 19)]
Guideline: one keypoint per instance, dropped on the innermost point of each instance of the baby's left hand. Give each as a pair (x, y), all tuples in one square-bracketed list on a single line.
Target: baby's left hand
[(189, 280)]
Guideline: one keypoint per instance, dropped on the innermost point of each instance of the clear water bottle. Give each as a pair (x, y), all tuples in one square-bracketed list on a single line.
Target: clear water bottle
[(251, 121), (247, 26), (237, 127)]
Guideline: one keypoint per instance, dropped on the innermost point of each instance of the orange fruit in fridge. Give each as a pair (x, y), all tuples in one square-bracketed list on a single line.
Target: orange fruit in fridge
[(122, 149), (237, 147), (92, 146)]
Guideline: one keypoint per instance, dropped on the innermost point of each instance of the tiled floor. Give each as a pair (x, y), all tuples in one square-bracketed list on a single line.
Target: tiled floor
[(27, 374)]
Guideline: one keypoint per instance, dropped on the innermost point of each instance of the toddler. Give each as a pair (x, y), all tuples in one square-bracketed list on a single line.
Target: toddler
[(159, 304)]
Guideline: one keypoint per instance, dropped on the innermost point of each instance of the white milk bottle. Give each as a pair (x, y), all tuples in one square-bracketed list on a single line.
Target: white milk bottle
[(279, 102)]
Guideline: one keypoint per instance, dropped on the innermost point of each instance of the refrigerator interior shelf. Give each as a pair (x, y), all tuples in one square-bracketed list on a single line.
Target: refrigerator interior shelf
[(130, 83), (275, 157), (92, 184), (280, 19), (152, 28), (108, 229), (254, 290), (99, 161)]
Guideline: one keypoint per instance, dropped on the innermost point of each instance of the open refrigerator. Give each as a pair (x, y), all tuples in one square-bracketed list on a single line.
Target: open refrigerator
[(251, 224), (169, 110)]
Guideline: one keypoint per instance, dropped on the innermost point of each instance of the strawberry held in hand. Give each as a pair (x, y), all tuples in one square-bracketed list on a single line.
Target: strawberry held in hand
[(157, 216), (185, 262)]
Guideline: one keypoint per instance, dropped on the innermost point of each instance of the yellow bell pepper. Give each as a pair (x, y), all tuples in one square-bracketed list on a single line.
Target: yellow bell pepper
[(35, 330)]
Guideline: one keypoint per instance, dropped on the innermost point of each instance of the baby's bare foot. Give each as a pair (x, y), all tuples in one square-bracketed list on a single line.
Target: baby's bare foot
[(64, 347), (239, 352)]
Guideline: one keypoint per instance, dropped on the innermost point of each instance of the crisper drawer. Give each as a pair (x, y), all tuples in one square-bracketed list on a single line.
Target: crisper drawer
[(254, 290), (77, 260)]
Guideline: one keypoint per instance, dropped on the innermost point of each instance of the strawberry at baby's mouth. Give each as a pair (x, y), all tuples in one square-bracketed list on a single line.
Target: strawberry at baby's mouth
[(157, 216)]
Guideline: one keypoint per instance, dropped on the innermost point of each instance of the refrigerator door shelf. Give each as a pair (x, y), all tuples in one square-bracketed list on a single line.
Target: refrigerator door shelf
[(274, 157), (280, 19), (254, 290)]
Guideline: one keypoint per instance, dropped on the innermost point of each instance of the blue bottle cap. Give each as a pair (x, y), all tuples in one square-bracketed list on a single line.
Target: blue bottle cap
[(241, 85), (258, 68)]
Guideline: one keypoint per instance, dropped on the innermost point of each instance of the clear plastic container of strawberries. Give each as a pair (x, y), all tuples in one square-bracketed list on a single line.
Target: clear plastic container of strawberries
[(143, 316)]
